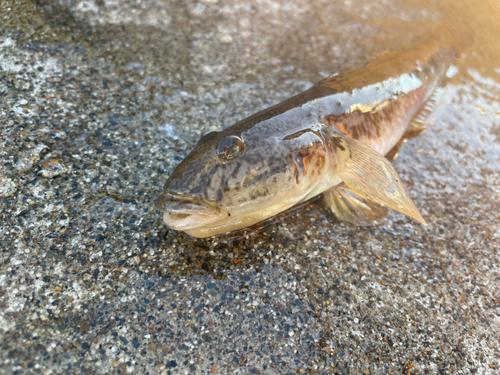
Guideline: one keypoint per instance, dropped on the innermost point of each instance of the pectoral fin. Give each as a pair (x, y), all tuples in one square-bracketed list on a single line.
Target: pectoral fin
[(354, 208), (371, 175)]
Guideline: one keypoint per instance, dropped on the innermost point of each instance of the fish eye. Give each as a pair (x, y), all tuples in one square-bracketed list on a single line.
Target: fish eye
[(230, 148)]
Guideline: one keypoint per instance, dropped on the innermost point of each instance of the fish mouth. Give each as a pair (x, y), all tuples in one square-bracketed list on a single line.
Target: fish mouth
[(182, 212)]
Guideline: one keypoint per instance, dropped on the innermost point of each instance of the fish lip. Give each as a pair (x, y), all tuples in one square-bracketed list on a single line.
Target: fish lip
[(181, 204), (181, 212)]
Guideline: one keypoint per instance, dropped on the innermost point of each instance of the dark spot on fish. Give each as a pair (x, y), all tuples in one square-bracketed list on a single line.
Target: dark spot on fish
[(304, 152), (259, 193), (337, 143), (220, 194), (195, 190), (235, 171)]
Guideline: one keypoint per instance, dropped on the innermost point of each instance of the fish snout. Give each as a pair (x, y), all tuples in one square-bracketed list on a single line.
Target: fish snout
[(184, 212)]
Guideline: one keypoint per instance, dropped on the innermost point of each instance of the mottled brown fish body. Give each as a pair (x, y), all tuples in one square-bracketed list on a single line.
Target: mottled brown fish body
[(303, 146)]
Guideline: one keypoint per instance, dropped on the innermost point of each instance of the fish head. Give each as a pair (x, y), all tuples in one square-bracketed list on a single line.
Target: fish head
[(231, 181)]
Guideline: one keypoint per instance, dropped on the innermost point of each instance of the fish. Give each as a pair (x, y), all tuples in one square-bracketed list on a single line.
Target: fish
[(330, 139)]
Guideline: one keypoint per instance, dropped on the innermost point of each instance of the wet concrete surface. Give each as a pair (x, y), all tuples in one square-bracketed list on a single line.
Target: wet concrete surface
[(100, 100)]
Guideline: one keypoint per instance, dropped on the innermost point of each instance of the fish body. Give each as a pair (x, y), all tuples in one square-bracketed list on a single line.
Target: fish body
[(329, 139)]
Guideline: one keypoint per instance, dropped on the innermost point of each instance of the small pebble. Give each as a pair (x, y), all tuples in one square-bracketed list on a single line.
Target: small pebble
[(21, 84), (226, 39), (53, 168), (7, 187), (55, 79), (29, 158)]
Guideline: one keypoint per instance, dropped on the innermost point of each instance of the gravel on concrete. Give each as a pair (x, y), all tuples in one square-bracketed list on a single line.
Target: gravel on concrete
[(100, 100)]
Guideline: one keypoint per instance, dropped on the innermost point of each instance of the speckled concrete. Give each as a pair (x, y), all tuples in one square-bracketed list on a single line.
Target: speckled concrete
[(99, 101)]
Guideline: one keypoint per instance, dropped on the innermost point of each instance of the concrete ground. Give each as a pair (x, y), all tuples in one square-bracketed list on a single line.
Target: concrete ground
[(100, 100)]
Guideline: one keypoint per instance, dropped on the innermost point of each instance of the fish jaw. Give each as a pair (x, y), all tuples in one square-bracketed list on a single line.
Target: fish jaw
[(235, 223), (199, 219), (185, 213)]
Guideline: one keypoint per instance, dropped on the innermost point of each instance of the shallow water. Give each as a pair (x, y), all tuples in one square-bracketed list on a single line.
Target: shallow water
[(118, 92)]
